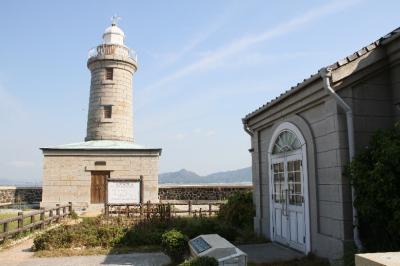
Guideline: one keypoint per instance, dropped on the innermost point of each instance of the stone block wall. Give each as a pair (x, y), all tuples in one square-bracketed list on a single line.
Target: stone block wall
[(67, 175), (11, 194), (116, 93), (200, 192)]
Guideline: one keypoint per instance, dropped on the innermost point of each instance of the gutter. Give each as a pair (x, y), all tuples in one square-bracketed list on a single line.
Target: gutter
[(325, 74), (247, 128)]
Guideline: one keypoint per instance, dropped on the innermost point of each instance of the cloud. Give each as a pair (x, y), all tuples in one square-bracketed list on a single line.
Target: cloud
[(255, 58), (169, 58), (246, 42)]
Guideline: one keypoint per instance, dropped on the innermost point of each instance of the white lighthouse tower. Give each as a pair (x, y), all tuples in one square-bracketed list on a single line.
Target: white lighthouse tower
[(80, 172)]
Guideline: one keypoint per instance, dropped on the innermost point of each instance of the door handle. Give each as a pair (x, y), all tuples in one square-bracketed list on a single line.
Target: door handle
[(286, 201)]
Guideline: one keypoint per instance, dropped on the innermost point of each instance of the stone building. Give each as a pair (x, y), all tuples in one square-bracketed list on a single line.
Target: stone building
[(79, 172), (302, 140)]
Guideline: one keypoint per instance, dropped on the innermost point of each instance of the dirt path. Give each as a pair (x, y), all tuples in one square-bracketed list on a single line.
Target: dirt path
[(21, 255), (17, 254)]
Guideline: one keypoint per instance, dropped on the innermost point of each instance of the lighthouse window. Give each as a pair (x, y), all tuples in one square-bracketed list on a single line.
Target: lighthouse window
[(109, 73), (107, 111)]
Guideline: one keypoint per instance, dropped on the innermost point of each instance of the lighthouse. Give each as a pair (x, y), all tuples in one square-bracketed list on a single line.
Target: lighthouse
[(81, 172), (112, 65)]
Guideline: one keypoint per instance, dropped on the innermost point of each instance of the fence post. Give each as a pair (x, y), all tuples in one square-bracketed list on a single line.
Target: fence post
[(106, 209), (70, 208), (32, 221), (190, 207), (195, 213), (200, 213), (169, 210), (51, 216), (58, 212), (141, 195), (209, 209), (42, 225), (5, 229), (63, 209), (127, 210), (148, 209), (21, 221), (141, 211)]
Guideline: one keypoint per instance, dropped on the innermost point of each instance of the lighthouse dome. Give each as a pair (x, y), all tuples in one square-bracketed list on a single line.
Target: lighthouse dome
[(113, 35)]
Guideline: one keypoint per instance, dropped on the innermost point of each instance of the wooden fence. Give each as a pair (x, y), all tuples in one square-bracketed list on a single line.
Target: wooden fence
[(28, 220), (148, 209)]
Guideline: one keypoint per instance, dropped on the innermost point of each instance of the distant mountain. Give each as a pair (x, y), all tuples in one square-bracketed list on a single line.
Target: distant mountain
[(180, 177), (187, 177)]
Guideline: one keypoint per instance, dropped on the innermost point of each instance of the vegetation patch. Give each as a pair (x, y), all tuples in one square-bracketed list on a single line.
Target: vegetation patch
[(87, 234), (175, 244), (375, 173), (239, 211), (64, 252), (104, 236)]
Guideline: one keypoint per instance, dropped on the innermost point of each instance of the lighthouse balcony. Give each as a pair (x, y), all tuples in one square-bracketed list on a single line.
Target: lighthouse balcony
[(113, 50)]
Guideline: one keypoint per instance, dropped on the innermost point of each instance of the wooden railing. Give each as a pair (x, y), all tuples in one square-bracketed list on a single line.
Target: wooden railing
[(148, 209), (28, 220)]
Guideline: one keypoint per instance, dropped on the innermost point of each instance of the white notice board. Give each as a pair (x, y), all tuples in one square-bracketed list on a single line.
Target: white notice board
[(126, 192)]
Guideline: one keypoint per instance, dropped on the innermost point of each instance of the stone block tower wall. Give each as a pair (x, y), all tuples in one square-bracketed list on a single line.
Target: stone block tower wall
[(110, 115)]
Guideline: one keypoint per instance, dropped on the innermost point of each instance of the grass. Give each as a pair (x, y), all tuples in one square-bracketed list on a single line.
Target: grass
[(14, 225)]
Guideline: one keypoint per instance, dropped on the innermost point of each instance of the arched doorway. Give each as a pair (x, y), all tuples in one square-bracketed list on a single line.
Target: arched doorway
[(289, 208)]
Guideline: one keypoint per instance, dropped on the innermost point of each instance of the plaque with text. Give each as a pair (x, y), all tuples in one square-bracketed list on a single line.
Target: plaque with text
[(123, 192), (200, 245)]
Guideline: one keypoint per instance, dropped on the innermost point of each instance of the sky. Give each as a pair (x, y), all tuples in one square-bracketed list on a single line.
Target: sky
[(203, 65)]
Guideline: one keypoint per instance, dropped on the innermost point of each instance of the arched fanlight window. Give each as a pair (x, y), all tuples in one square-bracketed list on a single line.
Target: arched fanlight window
[(286, 141)]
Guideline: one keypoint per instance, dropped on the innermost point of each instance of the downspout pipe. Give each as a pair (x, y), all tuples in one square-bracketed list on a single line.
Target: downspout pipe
[(326, 74), (246, 128)]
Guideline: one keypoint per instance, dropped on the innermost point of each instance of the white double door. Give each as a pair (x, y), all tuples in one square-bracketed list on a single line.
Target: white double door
[(288, 208)]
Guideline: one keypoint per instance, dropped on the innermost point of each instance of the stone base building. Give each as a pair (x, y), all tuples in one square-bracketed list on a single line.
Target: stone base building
[(79, 172), (303, 139)]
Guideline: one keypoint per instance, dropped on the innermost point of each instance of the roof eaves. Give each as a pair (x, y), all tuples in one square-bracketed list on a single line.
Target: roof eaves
[(381, 41), (282, 96)]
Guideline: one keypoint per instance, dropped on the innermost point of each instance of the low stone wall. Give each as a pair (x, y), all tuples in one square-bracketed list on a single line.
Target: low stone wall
[(11, 194), (201, 192)]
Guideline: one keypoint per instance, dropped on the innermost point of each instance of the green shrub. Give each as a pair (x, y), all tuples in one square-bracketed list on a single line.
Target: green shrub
[(175, 244), (238, 211), (145, 233), (60, 237), (89, 233), (149, 232), (375, 174), (74, 215), (200, 261)]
